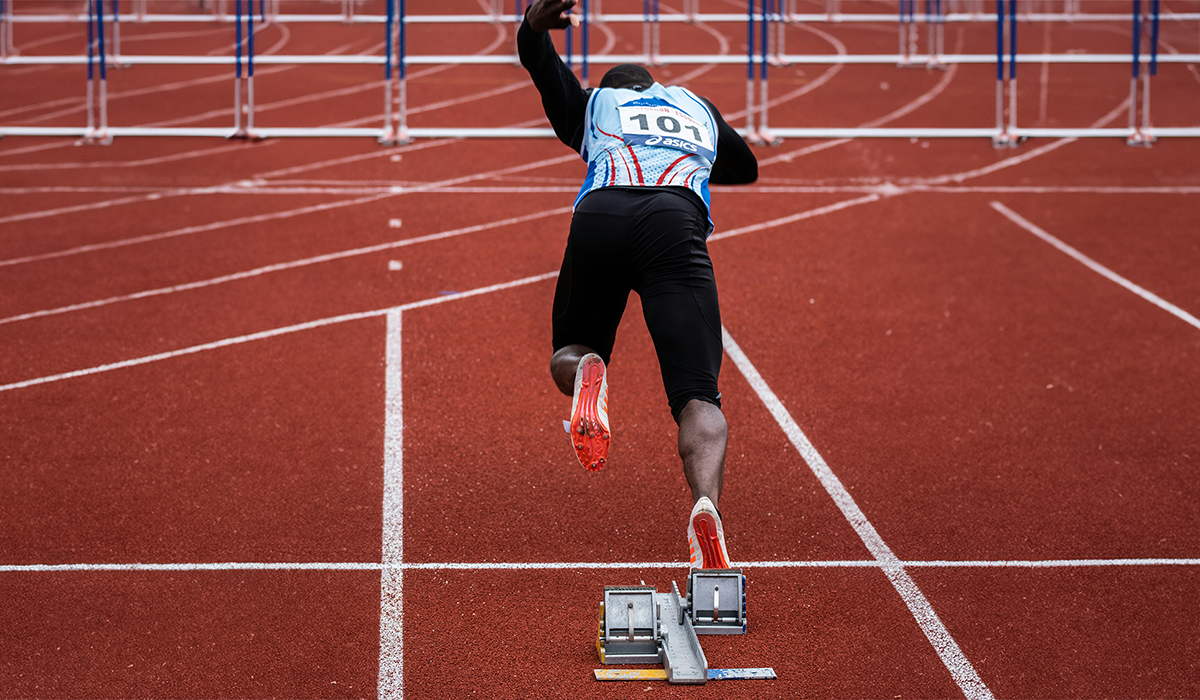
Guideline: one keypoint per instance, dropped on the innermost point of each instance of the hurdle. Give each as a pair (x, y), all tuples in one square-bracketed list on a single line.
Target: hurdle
[(583, 39), (650, 32), (1006, 132), (395, 114), (243, 84), (97, 96), (1140, 133), (907, 27), (764, 135), (767, 25), (935, 19)]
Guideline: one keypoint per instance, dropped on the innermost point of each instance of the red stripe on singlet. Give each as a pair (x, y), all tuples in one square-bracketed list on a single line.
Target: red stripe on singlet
[(612, 170), (690, 176), (672, 165), (637, 165), (607, 134), (628, 172)]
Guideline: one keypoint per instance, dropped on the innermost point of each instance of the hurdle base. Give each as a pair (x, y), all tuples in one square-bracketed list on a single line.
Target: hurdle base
[(767, 138), (97, 137), (1006, 140), (1141, 139), (395, 138), (246, 135)]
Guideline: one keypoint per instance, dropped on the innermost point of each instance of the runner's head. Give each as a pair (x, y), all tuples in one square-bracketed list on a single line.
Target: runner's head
[(627, 75)]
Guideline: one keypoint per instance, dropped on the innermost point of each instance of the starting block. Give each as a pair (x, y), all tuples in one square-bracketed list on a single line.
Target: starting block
[(639, 625)]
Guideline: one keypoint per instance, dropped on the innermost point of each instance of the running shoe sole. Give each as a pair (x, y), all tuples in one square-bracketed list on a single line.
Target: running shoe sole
[(708, 539), (589, 434)]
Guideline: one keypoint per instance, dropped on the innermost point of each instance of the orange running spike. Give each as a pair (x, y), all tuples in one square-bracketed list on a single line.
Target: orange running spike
[(589, 416), (710, 542)]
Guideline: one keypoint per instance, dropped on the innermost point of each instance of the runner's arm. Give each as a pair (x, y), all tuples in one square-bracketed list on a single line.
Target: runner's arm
[(735, 164), (563, 98)]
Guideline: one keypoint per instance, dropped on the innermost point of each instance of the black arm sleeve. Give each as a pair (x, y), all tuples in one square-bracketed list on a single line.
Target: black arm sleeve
[(735, 164), (563, 98)]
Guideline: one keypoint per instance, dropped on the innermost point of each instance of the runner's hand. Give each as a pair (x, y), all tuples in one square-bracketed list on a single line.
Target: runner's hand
[(549, 14)]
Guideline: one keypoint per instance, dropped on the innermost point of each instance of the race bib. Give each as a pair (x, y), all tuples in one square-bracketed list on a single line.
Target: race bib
[(665, 126)]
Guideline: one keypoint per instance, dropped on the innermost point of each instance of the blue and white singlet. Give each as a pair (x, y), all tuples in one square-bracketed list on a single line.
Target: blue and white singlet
[(657, 137)]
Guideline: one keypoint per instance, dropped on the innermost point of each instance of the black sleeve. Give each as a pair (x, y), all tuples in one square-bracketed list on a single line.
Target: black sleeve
[(563, 98), (735, 164)]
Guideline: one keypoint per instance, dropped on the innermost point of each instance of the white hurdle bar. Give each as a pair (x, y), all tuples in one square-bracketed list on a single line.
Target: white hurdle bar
[(711, 18), (395, 128), (822, 133), (799, 59)]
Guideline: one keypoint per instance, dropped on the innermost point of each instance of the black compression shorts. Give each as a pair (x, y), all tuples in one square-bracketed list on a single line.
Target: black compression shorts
[(650, 241)]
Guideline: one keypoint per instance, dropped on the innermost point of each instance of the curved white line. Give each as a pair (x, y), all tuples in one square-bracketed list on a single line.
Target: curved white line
[(904, 110), (827, 75)]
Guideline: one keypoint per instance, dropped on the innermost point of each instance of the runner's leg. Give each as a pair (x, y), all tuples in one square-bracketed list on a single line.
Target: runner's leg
[(703, 436)]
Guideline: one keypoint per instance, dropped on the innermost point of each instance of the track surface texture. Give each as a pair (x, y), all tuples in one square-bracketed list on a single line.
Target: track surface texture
[(276, 420)]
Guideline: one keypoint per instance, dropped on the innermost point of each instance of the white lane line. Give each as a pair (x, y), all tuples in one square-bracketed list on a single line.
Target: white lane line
[(225, 188), (414, 305), (585, 565), (262, 335), (391, 586), (1051, 563), (1097, 267), (174, 157), (819, 211), (1025, 157), (278, 267), (423, 239), (784, 186), (768, 186), (325, 165), (188, 230), (93, 206), (956, 662)]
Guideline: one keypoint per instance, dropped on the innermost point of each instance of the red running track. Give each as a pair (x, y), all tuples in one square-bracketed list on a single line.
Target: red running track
[(258, 443)]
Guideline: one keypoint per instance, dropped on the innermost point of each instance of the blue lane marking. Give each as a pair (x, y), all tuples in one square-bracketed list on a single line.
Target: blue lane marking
[(729, 674)]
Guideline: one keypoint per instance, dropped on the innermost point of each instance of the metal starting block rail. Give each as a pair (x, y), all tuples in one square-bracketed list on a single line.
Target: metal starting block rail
[(639, 625)]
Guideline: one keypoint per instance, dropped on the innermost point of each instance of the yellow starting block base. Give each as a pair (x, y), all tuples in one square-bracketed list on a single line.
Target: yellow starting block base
[(658, 674)]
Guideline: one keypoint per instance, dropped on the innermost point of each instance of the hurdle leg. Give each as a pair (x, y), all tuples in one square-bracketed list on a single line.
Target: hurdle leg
[(402, 132), (101, 135), (937, 36), (764, 131), (6, 28), (657, 38), (116, 34), (751, 134), (1148, 138), (1136, 137)]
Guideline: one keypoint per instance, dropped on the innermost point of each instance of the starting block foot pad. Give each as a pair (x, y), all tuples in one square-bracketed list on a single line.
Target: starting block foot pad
[(717, 601), (658, 674)]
